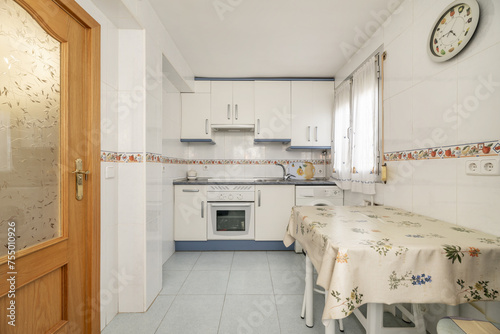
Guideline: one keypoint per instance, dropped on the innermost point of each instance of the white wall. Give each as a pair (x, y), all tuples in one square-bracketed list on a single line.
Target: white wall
[(134, 45), (419, 101), (241, 146), (109, 143), (171, 148)]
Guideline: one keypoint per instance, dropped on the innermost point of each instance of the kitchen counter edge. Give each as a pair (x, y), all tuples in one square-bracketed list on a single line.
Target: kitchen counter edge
[(255, 182)]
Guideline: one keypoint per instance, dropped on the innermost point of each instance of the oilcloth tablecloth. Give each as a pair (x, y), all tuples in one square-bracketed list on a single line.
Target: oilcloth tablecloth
[(380, 254)]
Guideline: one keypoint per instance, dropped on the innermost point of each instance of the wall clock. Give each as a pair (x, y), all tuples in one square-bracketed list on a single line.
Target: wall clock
[(453, 29)]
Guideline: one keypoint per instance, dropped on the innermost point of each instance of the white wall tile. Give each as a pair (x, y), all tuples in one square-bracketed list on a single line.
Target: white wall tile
[(398, 191), (131, 259), (486, 34), (477, 198), (434, 123), (398, 66), (131, 60), (479, 97), (398, 122), (435, 188), (399, 21), (131, 121)]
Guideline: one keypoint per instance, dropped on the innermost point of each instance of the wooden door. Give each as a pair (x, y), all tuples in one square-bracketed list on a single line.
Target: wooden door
[(49, 117)]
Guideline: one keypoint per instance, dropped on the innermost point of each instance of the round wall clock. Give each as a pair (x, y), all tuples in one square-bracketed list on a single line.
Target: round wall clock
[(453, 29)]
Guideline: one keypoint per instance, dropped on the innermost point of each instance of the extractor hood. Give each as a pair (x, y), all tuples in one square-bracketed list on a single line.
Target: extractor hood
[(233, 127)]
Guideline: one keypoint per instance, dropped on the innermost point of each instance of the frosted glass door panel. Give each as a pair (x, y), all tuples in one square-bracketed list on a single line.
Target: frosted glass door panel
[(29, 129)]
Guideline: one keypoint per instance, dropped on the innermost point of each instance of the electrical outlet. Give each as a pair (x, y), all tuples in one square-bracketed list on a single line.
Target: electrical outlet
[(205, 168), (472, 167), (490, 166)]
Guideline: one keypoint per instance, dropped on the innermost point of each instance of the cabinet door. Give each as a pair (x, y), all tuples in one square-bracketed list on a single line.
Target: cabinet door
[(303, 120), (221, 105), (190, 215), (273, 206), (323, 111), (195, 120), (243, 102), (272, 110)]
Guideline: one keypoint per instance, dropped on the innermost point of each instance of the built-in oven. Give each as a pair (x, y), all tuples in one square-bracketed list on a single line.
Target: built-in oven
[(231, 212)]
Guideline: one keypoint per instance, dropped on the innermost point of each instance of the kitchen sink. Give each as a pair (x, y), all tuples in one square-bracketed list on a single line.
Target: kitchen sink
[(269, 180)]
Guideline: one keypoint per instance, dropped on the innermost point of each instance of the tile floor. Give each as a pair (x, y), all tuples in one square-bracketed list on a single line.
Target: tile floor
[(230, 293)]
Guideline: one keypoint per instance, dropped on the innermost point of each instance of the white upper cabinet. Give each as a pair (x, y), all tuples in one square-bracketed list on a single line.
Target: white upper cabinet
[(195, 121), (312, 108), (232, 102), (272, 111)]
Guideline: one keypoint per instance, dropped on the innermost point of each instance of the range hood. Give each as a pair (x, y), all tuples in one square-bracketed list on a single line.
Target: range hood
[(233, 127)]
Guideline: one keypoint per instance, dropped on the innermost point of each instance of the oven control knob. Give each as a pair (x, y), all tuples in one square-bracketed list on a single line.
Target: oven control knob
[(230, 197), (239, 196), (221, 196)]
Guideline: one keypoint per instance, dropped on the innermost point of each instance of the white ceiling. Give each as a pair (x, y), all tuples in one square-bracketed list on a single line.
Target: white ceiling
[(267, 38)]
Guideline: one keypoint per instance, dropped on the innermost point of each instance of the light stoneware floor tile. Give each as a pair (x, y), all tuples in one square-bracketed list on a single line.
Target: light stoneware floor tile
[(249, 314), (173, 281), (285, 260), (205, 283), (246, 261), (249, 283), (288, 282), (193, 315), (144, 323), (214, 261), (181, 261)]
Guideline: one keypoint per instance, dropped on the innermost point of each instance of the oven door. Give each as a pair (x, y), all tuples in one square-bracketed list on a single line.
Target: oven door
[(230, 221)]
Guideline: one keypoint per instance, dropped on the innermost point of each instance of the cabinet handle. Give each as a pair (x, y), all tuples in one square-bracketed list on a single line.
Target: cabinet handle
[(228, 111), (206, 126), (202, 209), (190, 190), (258, 126), (235, 111), (308, 133), (316, 133), (258, 198)]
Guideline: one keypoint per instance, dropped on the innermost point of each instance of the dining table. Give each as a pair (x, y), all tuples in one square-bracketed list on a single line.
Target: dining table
[(378, 255)]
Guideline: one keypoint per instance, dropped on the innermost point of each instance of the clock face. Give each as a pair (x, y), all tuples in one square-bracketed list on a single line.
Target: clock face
[(453, 30)]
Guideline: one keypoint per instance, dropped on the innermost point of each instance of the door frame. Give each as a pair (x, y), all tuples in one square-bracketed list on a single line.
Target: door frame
[(91, 256)]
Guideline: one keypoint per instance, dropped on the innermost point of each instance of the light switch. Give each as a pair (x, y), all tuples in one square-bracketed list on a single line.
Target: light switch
[(110, 172)]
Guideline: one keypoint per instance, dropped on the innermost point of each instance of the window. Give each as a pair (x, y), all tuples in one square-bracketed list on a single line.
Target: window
[(356, 130)]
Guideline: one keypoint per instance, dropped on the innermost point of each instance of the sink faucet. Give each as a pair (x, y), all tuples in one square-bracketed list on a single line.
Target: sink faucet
[(285, 175)]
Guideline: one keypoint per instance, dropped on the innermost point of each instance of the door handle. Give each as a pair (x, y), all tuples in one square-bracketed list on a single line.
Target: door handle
[(202, 209), (258, 198), (228, 111), (79, 173), (258, 126), (316, 133), (190, 190), (236, 111), (308, 133), (206, 126)]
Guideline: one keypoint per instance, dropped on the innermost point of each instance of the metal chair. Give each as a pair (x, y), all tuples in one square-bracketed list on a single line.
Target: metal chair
[(307, 303)]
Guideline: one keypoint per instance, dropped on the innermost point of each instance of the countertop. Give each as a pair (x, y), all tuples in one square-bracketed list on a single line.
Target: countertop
[(254, 181)]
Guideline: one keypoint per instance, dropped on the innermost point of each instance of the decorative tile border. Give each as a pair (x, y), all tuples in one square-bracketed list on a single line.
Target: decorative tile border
[(490, 148), (157, 158), (121, 157)]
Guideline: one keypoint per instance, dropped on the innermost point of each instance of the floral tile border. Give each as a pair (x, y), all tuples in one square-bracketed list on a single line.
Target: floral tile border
[(490, 148), (107, 156)]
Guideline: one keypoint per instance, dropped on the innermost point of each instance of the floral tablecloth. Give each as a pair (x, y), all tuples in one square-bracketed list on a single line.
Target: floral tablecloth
[(381, 254)]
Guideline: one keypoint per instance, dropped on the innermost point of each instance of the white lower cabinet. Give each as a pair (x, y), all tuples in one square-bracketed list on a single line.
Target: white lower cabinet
[(190, 216), (273, 205)]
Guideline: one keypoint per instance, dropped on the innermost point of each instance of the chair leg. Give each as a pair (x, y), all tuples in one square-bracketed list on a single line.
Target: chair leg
[(303, 312), (309, 293), (341, 325)]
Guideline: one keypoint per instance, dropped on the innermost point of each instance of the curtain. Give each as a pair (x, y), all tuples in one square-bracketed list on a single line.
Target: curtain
[(364, 128), (341, 144)]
